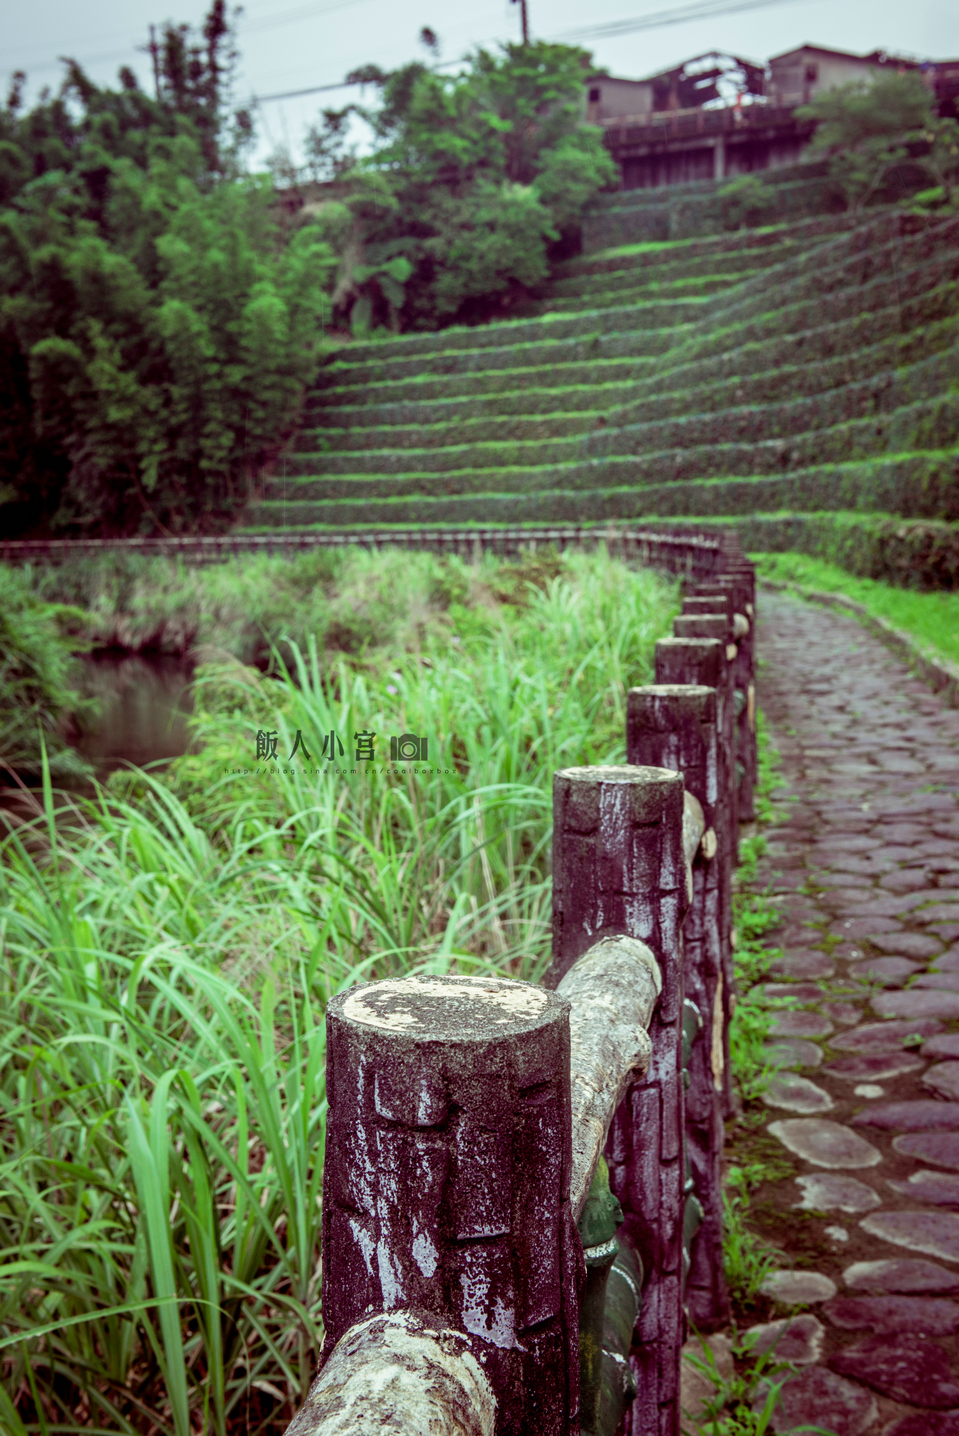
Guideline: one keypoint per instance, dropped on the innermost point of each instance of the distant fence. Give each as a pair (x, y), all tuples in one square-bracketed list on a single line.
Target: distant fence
[(485, 1268), (700, 556)]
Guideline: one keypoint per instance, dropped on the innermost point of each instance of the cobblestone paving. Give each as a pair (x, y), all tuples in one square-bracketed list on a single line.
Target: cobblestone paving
[(864, 865)]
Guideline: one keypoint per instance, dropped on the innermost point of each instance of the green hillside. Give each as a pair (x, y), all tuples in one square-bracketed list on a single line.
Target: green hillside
[(803, 378)]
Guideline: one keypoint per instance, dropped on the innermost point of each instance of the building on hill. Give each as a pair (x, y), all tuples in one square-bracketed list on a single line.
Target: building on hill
[(799, 75), (717, 116)]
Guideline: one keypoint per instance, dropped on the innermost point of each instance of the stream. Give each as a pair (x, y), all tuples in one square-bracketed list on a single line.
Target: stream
[(146, 699)]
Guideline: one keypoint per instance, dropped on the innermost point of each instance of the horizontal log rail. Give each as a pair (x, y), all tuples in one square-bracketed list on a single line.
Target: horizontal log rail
[(699, 556)]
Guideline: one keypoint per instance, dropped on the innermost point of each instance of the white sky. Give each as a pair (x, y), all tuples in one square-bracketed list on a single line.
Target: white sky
[(295, 44)]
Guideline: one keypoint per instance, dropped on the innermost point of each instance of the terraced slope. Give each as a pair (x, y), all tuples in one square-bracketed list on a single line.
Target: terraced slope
[(802, 368)]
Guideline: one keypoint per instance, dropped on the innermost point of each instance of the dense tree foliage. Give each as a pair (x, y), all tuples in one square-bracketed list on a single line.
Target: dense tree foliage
[(156, 330), (869, 130), (158, 324), (474, 178)]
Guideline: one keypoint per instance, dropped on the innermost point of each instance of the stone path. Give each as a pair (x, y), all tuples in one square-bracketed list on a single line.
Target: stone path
[(864, 865)]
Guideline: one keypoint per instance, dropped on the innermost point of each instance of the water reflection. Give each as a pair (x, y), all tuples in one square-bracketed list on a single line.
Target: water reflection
[(145, 700)]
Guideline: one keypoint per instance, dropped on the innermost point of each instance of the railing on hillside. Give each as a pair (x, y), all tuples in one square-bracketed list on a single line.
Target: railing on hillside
[(689, 124), (485, 1268), (699, 556)]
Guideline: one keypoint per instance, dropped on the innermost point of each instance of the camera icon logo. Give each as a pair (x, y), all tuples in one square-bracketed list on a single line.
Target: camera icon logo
[(408, 748)]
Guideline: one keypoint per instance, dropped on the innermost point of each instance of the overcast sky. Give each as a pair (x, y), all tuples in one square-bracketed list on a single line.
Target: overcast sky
[(295, 44)]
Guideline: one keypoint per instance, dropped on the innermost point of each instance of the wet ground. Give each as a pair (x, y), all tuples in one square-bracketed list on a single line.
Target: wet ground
[(863, 862)]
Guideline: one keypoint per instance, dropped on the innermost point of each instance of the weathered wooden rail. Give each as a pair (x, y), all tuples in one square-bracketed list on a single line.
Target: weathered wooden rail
[(699, 556), (522, 1207)]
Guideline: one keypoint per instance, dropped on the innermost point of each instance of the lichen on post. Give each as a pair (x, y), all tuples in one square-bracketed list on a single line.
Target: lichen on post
[(447, 1178), (403, 1373), (612, 990)]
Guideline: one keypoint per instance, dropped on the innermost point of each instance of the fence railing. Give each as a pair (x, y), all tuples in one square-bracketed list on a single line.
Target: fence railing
[(521, 1196), (700, 556)]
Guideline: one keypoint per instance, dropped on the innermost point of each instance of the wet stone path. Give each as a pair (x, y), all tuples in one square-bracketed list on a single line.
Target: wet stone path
[(863, 863)]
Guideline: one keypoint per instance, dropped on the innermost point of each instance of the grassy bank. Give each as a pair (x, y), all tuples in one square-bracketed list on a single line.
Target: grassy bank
[(350, 600), (168, 964), (932, 619)]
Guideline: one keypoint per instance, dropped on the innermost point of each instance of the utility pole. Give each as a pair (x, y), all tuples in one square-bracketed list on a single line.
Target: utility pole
[(155, 52), (522, 5)]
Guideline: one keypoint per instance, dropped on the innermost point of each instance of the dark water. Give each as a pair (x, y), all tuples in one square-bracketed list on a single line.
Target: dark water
[(145, 701)]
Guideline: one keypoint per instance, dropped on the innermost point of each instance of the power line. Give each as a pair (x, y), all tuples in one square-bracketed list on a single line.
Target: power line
[(701, 10), (86, 60), (303, 12), (295, 94), (286, 17), (340, 85)]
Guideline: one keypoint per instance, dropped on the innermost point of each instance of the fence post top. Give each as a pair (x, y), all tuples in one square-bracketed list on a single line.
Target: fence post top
[(447, 1008), (686, 695), (691, 643), (633, 774)]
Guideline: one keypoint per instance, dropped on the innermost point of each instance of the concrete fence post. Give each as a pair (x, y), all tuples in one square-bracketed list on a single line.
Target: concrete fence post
[(675, 727), (702, 662), (737, 586), (706, 660), (717, 625), (619, 869), (745, 599), (697, 605), (446, 1188)]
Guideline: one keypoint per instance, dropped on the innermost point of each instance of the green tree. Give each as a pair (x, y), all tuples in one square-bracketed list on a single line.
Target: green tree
[(473, 180), (156, 328), (867, 130)]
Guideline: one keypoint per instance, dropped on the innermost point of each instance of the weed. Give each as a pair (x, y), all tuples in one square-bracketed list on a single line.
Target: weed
[(753, 917), (751, 1062), (745, 1402), (747, 1258)]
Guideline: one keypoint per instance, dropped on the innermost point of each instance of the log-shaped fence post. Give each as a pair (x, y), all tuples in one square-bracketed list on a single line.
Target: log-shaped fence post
[(716, 625), (697, 605), (675, 726), (703, 662), (619, 869), (736, 586), (447, 1180), (707, 659)]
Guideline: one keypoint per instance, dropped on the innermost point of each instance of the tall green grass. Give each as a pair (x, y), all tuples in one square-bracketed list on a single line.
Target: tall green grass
[(168, 957)]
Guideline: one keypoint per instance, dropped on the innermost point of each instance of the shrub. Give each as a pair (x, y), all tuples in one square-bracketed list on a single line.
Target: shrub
[(869, 130), (37, 672), (746, 202)]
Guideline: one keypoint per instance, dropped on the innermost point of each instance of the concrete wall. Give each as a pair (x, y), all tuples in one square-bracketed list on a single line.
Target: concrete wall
[(616, 98)]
